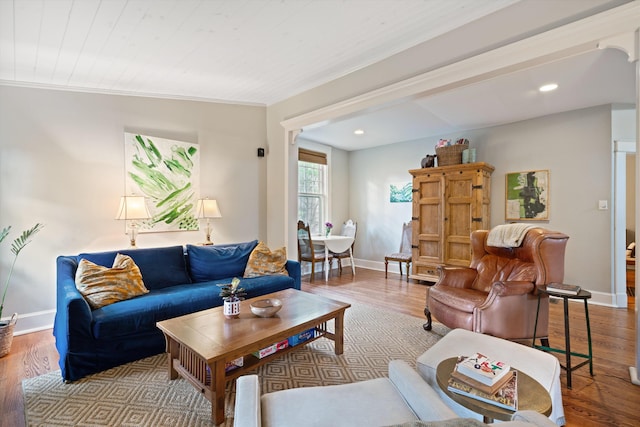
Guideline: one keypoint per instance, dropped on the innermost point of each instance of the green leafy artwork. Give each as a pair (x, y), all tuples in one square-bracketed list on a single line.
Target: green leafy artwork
[(166, 172), (400, 193)]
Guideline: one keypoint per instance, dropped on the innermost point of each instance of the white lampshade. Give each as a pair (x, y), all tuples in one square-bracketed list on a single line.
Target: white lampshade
[(133, 207), (208, 208)]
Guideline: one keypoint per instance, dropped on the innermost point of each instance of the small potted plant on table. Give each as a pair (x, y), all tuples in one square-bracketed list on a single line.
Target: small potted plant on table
[(232, 295)]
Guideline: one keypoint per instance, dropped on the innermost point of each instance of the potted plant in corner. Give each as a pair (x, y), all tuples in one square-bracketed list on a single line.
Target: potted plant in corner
[(6, 327), (232, 294)]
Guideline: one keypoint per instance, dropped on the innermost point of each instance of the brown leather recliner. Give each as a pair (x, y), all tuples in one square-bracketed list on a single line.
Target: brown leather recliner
[(497, 293)]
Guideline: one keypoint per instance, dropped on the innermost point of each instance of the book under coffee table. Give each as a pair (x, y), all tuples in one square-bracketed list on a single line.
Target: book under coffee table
[(199, 345)]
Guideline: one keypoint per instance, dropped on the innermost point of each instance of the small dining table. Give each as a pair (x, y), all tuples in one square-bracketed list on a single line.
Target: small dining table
[(335, 244)]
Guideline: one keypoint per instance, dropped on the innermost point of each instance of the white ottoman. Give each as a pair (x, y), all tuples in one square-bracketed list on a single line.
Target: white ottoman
[(539, 365)]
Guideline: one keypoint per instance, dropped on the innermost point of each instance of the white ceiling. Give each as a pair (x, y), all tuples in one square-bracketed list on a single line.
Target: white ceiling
[(249, 51), (603, 77), (264, 51)]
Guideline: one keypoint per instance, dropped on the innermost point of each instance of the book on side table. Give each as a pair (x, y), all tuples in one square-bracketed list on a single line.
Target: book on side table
[(483, 369), (563, 288), (506, 397), (493, 389)]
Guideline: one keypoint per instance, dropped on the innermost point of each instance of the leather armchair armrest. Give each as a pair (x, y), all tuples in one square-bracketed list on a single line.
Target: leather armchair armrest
[(504, 289), (456, 277), (509, 311)]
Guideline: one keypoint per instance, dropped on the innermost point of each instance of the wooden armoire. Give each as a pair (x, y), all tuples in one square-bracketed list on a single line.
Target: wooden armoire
[(449, 202)]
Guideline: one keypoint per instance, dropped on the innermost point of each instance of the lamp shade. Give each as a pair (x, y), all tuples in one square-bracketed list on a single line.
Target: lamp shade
[(208, 208), (133, 207)]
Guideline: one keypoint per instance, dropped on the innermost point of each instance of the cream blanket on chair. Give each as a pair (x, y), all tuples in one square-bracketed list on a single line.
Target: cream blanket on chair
[(508, 235)]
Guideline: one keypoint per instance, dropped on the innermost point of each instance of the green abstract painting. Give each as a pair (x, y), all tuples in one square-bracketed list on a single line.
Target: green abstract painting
[(400, 193), (167, 173), (527, 195)]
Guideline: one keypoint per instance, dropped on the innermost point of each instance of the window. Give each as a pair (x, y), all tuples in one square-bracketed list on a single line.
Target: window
[(312, 189)]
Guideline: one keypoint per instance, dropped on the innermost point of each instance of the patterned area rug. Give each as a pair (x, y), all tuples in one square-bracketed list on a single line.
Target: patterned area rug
[(140, 394)]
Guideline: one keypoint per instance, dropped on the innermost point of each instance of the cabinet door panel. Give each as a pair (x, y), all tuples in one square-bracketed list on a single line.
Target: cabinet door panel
[(459, 202), (427, 223)]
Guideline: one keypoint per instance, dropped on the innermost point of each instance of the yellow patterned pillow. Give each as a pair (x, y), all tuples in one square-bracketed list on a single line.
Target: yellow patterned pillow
[(264, 262), (102, 286)]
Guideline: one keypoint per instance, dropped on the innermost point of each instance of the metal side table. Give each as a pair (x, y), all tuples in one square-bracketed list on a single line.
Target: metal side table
[(582, 295)]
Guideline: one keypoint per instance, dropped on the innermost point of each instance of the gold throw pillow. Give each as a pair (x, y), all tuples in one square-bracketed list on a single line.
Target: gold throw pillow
[(102, 286), (264, 262)]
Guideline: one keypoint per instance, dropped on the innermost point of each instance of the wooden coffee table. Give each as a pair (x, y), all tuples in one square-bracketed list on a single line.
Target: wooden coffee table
[(531, 395), (200, 344)]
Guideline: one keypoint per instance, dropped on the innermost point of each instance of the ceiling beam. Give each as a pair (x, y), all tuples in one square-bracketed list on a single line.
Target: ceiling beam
[(572, 39)]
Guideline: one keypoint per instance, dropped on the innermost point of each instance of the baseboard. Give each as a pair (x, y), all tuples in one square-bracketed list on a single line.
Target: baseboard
[(378, 265), (360, 263), (34, 322)]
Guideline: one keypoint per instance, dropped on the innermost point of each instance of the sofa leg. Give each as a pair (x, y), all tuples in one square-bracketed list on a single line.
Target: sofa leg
[(427, 326)]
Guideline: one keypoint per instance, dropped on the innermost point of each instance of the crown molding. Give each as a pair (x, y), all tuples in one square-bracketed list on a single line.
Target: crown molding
[(98, 91)]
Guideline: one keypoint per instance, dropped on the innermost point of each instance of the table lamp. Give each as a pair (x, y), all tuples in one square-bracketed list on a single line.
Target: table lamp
[(208, 208), (132, 209)]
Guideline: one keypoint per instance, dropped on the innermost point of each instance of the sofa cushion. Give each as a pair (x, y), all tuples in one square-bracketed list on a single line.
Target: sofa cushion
[(219, 261), (264, 262), (258, 286), (102, 286), (137, 315), (160, 267)]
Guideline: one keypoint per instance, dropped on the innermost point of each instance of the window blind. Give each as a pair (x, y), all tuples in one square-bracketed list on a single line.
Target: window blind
[(305, 155)]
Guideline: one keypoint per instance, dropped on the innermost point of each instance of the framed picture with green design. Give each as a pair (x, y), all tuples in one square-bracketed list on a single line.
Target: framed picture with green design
[(527, 196), (167, 173)]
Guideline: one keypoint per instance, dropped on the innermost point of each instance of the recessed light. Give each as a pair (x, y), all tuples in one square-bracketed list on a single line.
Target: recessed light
[(358, 132), (548, 88)]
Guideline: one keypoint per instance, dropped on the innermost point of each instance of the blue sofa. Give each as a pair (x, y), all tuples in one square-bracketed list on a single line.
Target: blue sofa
[(180, 281)]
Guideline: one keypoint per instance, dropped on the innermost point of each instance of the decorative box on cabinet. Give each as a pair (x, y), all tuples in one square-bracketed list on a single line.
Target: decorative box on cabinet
[(449, 202)]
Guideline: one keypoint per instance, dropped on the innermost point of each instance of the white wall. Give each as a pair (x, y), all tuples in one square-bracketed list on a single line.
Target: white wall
[(62, 164), (575, 147), (372, 171)]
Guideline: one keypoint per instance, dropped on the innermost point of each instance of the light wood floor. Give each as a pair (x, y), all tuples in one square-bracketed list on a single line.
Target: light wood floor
[(608, 399)]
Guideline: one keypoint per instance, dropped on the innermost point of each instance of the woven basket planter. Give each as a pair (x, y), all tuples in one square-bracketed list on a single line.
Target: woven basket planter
[(451, 154), (6, 335)]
